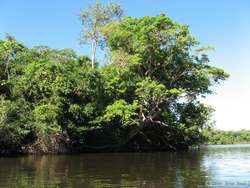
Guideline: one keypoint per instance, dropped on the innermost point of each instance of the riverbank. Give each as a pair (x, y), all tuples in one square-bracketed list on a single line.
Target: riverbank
[(99, 141), (95, 141)]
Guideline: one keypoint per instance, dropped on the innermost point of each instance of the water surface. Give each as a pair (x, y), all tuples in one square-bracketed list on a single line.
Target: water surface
[(213, 166)]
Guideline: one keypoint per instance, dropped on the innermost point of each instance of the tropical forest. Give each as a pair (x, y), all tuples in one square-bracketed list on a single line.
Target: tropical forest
[(144, 95)]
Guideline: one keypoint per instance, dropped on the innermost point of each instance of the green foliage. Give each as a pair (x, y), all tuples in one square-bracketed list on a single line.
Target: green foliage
[(121, 111), (46, 116), (167, 77), (213, 136), (97, 16), (14, 125), (145, 98), (163, 51), (94, 19)]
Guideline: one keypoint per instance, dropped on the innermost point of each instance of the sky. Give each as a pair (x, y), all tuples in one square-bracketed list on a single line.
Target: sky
[(224, 24)]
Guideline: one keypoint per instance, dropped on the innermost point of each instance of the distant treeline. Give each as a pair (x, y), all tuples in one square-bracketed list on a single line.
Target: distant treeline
[(214, 136)]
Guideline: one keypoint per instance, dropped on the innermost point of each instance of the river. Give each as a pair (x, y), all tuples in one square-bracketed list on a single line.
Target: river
[(212, 166)]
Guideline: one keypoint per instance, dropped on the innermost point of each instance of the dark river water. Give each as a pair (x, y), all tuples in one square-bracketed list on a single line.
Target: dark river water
[(213, 166)]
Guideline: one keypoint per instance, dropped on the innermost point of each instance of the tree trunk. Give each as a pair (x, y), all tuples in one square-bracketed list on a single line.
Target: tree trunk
[(94, 45)]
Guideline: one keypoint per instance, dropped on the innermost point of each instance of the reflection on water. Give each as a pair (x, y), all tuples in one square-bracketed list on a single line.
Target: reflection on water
[(221, 165)]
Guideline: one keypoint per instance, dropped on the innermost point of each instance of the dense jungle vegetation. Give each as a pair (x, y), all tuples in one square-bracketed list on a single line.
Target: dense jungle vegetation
[(146, 96)]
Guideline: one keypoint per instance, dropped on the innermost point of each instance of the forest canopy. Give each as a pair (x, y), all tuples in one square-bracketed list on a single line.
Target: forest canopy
[(147, 97)]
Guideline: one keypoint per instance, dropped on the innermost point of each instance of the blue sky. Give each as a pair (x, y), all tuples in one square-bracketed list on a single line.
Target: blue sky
[(225, 24)]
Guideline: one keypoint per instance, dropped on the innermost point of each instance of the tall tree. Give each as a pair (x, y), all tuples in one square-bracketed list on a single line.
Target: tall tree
[(167, 79), (93, 19)]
